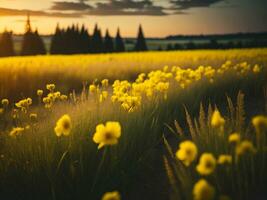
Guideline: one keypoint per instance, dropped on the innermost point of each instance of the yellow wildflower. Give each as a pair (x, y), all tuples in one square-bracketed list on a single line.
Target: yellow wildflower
[(40, 92), (107, 134), (5, 102), (50, 87), (224, 159), (16, 131), (260, 123), (111, 196), (104, 82), (203, 190), (245, 147), (92, 88), (63, 97), (207, 164), (234, 138), (187, 152), (217, 121), (256, 69), (63, 126)]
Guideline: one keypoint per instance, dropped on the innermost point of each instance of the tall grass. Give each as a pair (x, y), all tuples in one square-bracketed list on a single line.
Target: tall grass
[(243, 178), (39, 165)]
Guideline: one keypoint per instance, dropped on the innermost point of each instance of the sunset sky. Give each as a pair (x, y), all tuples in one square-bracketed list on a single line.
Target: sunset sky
[(158, 17)]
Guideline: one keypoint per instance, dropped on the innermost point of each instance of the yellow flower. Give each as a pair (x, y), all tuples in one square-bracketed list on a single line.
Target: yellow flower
[(224, 159), (92, 88), (260, 123), (207, 164), (203, 190), (245, 147), (187, 152), (5, 102), (63, 126), (234, 138), (111, 196), (50, 87), (217, 121), (256, 69), (104, 82), (40, 92), (16, 131), (63, 97), (107, 134), (1, 111)]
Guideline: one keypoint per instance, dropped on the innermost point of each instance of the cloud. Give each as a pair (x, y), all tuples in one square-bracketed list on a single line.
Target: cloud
[(65, 5), (110, 7), (187, 4), (81, 8), (23, 12), (127, 7)]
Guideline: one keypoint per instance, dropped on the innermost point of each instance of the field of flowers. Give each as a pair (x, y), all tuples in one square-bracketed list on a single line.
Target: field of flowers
[(136, 129), (24, 75)]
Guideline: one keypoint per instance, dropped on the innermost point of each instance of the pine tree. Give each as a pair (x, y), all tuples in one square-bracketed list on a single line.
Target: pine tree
[(108, 43), (119, 44), (97, 43), (140, 42), (56, 42), (84, 40), (6, 44), (39, 44), (32, 43)]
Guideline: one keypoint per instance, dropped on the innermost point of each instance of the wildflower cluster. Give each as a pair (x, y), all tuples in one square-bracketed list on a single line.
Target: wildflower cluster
[(24, 104), (99, 91), (209, 165), (52, 96)]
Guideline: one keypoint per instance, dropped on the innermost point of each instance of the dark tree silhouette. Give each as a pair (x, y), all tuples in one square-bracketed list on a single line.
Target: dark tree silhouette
[(119, 43), (40, 47), (84, 40), (140, 42), (32, 43), (73, 40), (56, 42), (97, 43), (108, 43), (6, 44)]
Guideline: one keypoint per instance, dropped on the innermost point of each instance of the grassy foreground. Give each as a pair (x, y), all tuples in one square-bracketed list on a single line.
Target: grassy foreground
[(64, 149)]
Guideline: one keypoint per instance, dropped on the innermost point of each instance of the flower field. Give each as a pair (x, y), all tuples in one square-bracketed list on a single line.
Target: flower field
[(158, 125)]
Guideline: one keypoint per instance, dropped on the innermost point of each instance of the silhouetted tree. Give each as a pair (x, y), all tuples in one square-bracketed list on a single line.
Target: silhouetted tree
[(97, 43), (140, 42), (56, 42), (108, 43), (6, 44), (119, 43), (84, 40), (40, 47), (32, 43)]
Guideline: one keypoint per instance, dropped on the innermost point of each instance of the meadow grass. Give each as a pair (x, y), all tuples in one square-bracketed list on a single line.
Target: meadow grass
[(37, 164)]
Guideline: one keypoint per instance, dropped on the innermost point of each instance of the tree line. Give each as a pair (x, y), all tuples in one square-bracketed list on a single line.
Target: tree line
[(72, 40), (214, 44)]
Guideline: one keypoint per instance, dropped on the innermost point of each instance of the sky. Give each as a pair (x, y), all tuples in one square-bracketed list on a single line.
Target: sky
[(159, 18)]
